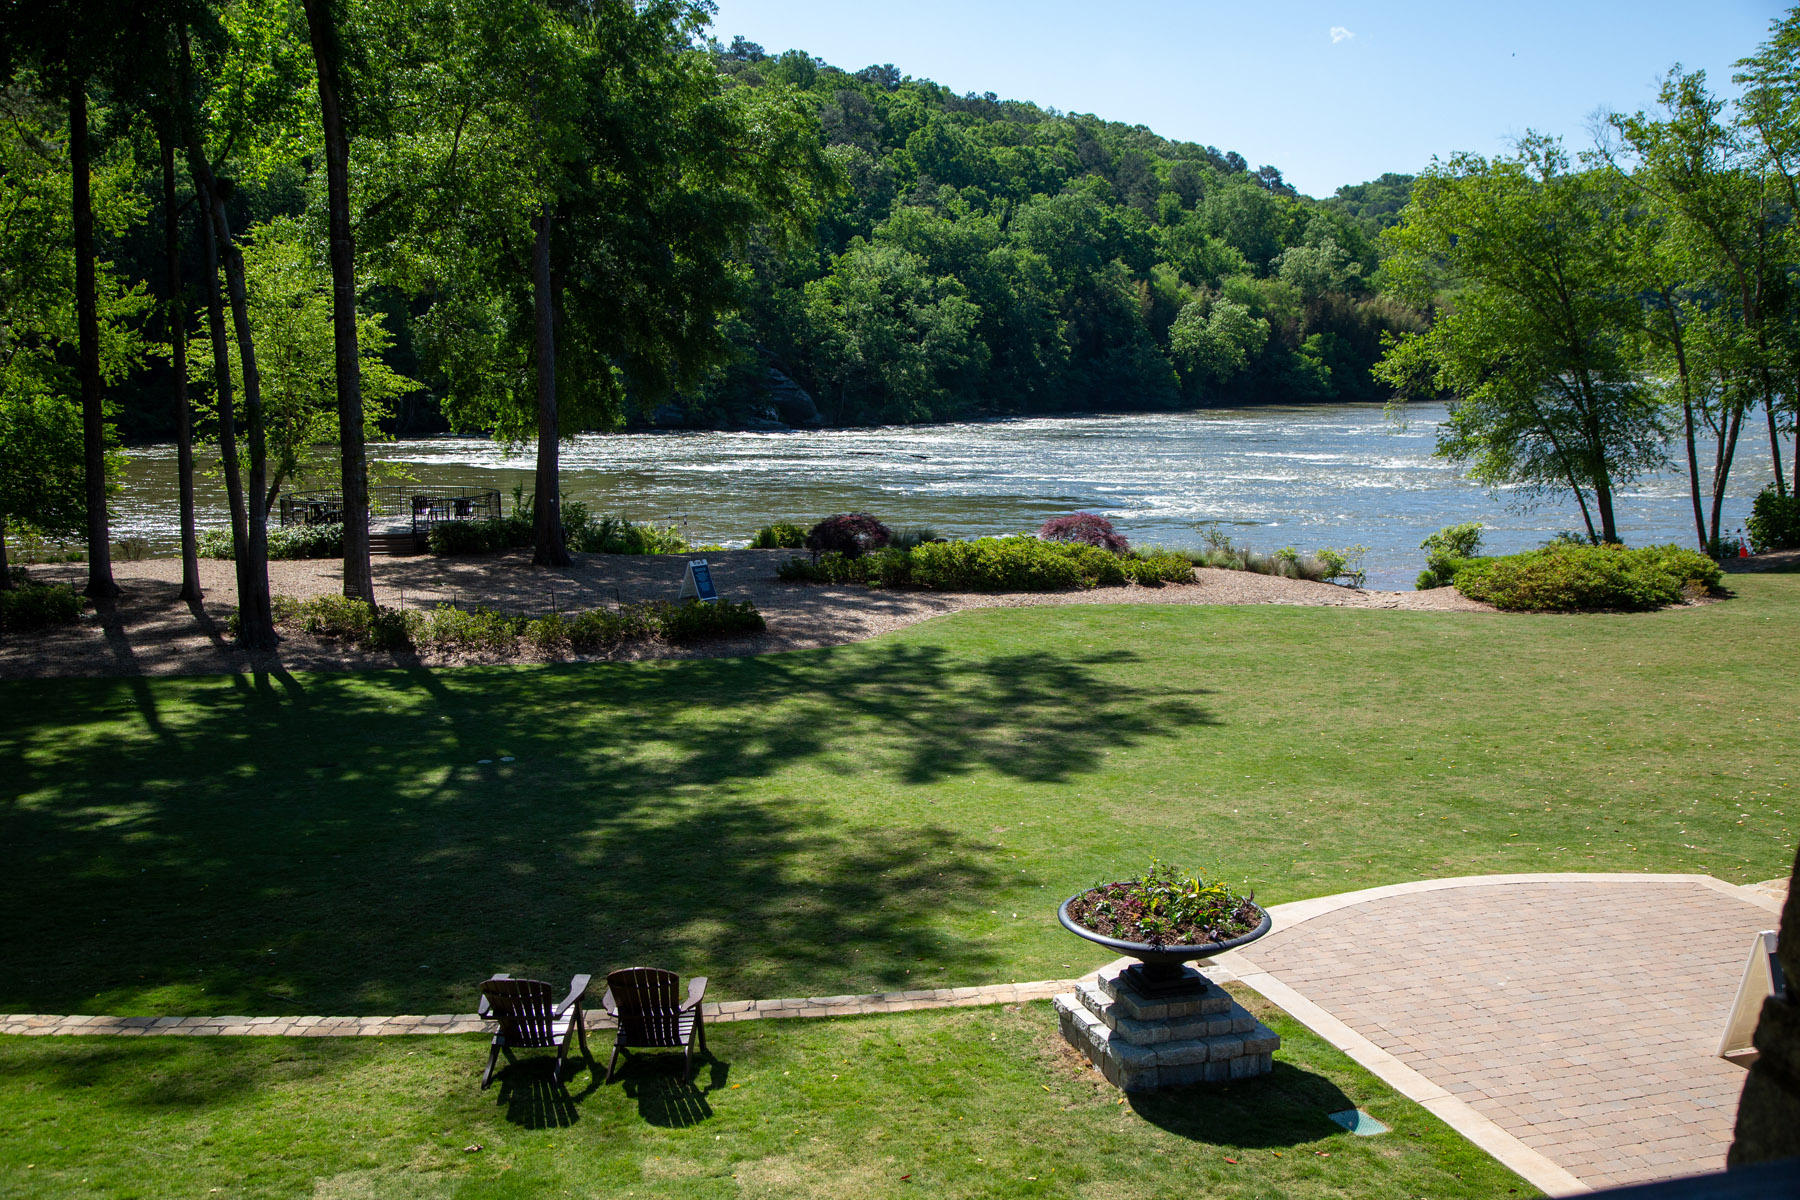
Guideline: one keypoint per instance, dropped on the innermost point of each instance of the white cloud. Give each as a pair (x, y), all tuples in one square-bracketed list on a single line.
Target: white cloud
[(1340, 34)]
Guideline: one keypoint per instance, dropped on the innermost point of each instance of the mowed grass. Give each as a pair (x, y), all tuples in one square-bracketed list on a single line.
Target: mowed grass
[(974, 1103), (901, 813)]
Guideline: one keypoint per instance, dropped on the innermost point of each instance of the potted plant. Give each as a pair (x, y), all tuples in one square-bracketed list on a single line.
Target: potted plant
[(1163, 918)]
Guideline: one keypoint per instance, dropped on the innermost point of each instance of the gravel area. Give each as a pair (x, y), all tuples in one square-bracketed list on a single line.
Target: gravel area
[(149, 631)]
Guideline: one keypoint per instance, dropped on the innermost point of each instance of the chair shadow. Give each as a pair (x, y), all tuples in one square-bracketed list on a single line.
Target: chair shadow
[(532, 1099), (665, 1096)]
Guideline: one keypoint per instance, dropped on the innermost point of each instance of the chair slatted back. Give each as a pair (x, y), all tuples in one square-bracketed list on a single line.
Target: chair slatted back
[(526, 1010), (649, 1003)]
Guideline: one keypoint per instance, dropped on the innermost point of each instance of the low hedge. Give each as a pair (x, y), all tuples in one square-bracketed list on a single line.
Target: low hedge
[(1004, 564), (285, 541), (27, 606), (482, 629), (1564, 577)]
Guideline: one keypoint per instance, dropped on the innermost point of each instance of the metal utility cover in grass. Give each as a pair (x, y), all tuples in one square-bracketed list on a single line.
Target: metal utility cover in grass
[(1359, 1122)]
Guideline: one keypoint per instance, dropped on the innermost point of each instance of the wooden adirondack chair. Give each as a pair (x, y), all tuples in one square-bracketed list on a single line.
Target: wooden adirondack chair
[(531, 1019), (644, 1002)]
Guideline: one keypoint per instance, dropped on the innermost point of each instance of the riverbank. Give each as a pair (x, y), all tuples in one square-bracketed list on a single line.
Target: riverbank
[(150, 631)]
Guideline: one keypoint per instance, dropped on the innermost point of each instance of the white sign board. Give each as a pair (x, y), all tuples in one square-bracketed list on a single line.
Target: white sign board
[(1762, 978), (697, 584)]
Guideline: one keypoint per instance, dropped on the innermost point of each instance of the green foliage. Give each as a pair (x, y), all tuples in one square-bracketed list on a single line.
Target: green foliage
[(782, 535), (1537, 351), (288, 294), (618, 535), (29, 605), (483, 631), (1585, 578), (1774, 522), (285, 541), (1446, 552), (1345, 564), (1008, 564), (1165, 906), (448, 538)]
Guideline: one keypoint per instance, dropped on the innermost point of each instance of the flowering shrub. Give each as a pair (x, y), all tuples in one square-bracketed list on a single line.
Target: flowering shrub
[(1089, 529), (850, 534), (484, 630), (1166, 907)]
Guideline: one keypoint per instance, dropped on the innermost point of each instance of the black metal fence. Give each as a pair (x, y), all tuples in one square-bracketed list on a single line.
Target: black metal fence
[(419, 507)]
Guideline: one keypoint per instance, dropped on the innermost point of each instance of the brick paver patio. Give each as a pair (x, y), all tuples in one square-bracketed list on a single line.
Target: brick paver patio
[(1580, 1015)]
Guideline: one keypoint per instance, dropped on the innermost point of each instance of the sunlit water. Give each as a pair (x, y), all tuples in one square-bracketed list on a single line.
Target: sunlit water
[(1269, 477)]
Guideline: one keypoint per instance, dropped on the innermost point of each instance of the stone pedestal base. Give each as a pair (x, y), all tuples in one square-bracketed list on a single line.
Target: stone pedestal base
[(1143, 1042)]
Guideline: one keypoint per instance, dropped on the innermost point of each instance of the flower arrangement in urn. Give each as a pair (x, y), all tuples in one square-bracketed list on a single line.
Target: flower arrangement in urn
[(1166, 907)]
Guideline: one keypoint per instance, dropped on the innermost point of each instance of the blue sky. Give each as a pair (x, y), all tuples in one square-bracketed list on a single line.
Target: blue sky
[(1330, 92)]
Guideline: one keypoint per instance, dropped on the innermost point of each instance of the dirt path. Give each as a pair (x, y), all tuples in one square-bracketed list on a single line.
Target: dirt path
[(149, 631)]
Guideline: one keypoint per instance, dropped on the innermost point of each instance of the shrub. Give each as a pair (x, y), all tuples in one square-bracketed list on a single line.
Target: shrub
[(1345, 564), (486, 631), (1446, 552), (1563, 577), (285, 542), (782, 535), (1157, 568), (1774, 522), (1011, 564), (448, 538), (850, 534), (1089, 529), (27, 606), (619, 535)]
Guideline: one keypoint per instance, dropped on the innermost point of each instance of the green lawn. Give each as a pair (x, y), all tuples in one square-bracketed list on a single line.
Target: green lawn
[(905, 812), (974, 1102)]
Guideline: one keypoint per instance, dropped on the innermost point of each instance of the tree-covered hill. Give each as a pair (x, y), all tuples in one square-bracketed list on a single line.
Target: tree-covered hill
[(984, 257)]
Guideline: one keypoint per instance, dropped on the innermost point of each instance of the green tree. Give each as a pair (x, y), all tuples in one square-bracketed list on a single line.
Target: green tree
[(45, 468), (897, 344), (290, 294), (1535, 343), (1215, 340), (1704, 260), (612, 150)]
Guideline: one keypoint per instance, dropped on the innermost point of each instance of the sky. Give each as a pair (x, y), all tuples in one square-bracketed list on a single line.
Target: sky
[(1330, 92)]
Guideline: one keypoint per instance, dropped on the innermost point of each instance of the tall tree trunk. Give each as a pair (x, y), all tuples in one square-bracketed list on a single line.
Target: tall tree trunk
[(222, 387), (5, 571), (100, 583), (547, 533), (184, 427), (1728, 439), (359, 581), (250, 538), (1775, 447), (1687, 412), (256, 617)]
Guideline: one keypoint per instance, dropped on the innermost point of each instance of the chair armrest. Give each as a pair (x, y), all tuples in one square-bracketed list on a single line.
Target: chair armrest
[(482, 1010), (696, 989), (578, 987)]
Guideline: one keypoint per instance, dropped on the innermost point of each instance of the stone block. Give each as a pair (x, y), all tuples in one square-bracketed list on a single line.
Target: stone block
[(1140, 1007)]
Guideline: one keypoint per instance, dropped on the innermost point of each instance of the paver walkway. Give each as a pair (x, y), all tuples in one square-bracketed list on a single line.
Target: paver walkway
[(1569, 1024)]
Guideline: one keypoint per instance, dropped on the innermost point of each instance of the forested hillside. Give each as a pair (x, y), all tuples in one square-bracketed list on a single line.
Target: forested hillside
[(986, 256)]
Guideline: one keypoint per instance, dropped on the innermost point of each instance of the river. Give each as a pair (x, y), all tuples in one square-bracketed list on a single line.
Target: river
[(1267, 477)]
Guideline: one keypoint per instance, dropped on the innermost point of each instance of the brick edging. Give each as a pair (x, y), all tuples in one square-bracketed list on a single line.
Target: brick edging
[(54, 1025)]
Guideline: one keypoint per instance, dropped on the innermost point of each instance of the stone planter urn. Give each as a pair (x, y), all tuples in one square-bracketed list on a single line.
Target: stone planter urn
[(1159, 1022)]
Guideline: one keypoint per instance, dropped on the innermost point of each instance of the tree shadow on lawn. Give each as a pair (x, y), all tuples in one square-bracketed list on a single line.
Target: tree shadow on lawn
[(1287, 1107), (382, 842), (171, 1073)]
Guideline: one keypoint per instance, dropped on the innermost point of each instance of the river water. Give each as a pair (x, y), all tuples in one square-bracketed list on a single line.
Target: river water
[(1267, 477)]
